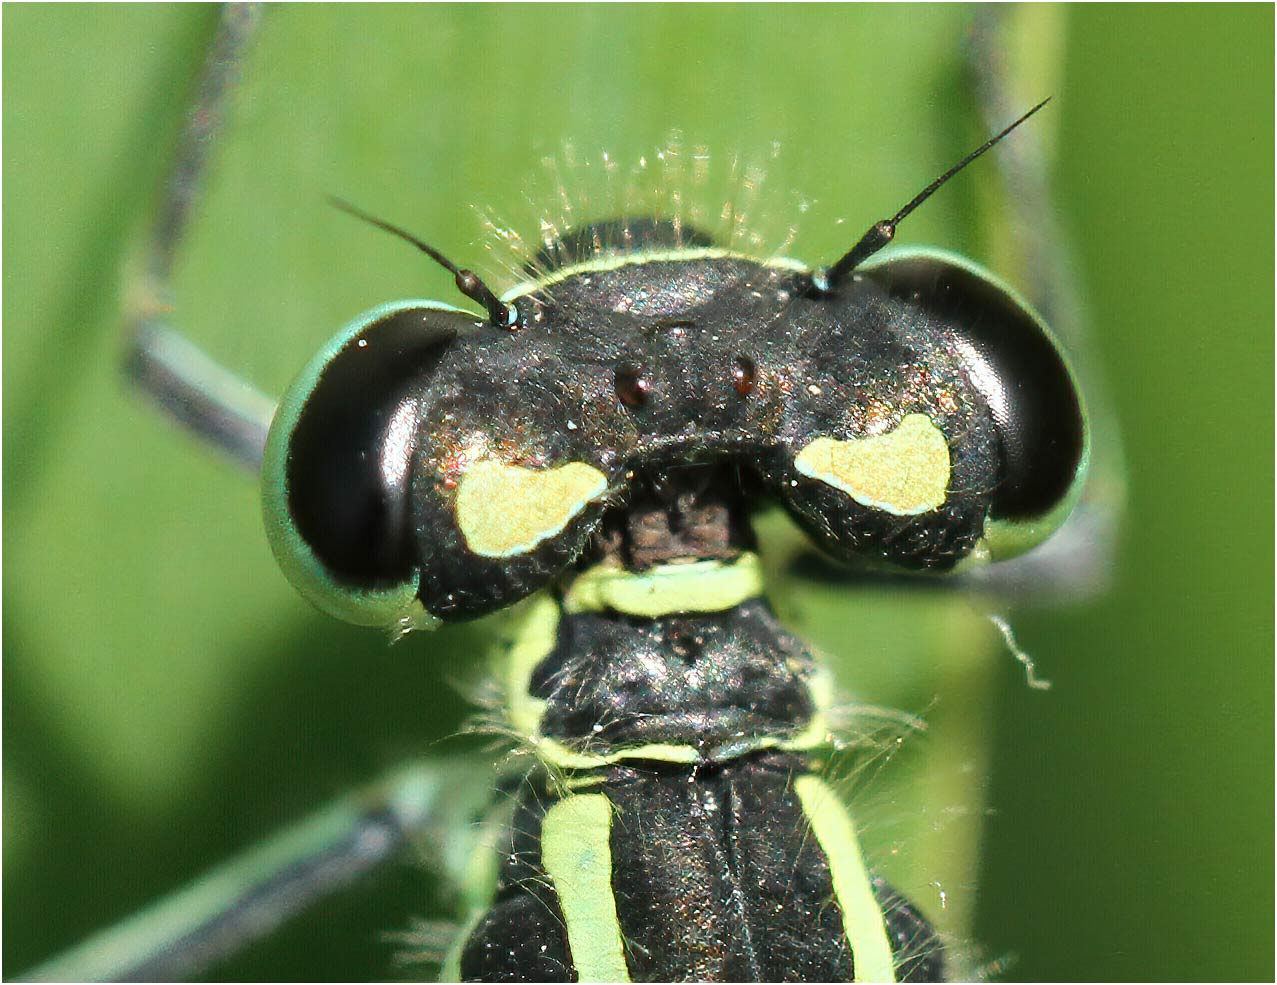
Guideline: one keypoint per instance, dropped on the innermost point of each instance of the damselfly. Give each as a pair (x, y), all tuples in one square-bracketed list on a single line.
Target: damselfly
[(637, 384)]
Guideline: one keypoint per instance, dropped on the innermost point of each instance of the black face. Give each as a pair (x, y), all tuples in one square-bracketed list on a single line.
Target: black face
[(895, 415)]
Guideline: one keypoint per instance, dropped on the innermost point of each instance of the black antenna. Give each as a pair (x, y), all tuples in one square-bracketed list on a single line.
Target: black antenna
[(882, 232), (500, 314)]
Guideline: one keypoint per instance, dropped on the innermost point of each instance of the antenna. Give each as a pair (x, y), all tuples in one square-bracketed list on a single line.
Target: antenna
[(501, 315), (882, 232)]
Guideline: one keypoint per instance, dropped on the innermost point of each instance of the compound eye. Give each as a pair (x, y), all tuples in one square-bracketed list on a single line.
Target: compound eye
[(1017, 367), (337, 476)]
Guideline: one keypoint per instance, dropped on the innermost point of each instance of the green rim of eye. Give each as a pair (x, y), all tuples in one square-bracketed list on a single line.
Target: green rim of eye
[(1007, 538), (395, 607)]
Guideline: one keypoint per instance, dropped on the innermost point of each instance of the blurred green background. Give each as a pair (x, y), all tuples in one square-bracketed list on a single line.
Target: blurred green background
[(167, 699)]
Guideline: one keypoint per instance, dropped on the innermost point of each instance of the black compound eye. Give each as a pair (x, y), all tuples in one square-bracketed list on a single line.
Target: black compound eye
[(744, 376), (337, 479), (632, 387), (1012, 360)]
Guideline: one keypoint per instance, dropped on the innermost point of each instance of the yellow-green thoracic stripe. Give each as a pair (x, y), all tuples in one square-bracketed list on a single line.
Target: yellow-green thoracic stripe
[(862, 918), (576, 850), (577, 854), (666, 589)]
